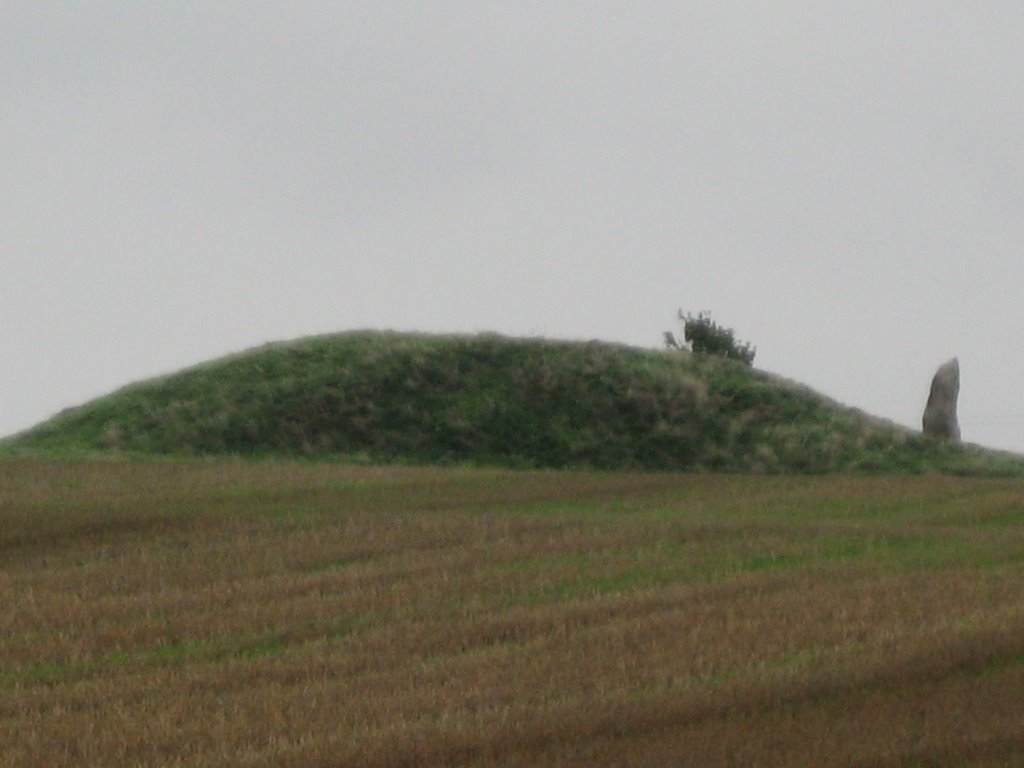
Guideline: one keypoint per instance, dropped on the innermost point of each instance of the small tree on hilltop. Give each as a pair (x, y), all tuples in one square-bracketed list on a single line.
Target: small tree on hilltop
[(706, 337)]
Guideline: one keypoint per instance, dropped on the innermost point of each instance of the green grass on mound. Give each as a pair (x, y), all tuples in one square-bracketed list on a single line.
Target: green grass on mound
[(498, 401)]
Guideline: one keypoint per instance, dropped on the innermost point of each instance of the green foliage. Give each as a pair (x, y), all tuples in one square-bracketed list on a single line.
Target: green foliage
[(705, 336), (489, 400)]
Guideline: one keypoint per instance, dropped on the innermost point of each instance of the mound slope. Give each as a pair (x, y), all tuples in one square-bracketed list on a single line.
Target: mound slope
[(493, 400)]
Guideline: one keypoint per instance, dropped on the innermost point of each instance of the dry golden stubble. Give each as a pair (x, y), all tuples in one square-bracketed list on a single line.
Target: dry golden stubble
[(355, 621)]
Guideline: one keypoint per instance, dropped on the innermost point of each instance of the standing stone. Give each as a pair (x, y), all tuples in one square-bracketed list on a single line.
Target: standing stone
[(940, 413)]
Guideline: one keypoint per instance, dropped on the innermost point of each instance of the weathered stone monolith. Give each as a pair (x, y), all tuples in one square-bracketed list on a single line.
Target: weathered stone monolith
[(939, 418)]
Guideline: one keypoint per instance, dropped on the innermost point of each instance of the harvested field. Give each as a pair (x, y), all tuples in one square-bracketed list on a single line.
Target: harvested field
[(283, 614)]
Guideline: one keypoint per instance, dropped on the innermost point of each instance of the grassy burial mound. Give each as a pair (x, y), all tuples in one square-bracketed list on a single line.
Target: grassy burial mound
[(497, 401)]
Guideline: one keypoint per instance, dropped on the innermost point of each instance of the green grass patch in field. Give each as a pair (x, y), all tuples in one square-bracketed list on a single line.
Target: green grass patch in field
[(215, 650)]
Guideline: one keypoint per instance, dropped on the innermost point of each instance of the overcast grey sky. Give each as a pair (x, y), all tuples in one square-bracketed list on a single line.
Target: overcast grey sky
[(841, 183)]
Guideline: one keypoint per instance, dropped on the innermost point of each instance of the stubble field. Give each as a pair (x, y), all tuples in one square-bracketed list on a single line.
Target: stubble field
[(277, 614)]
